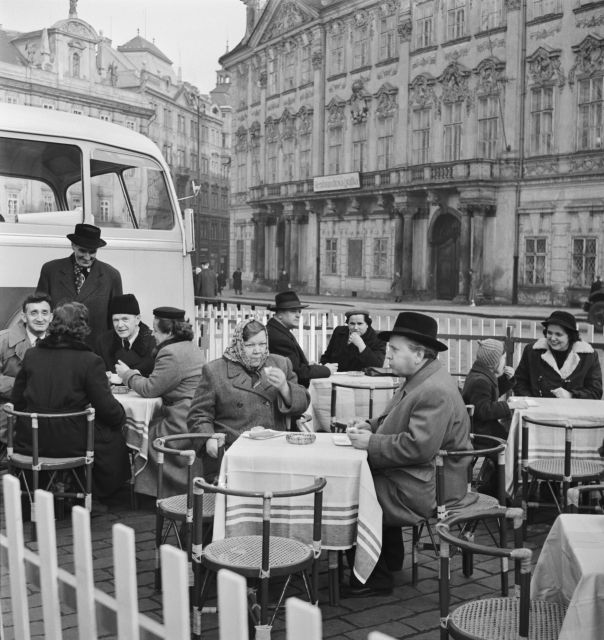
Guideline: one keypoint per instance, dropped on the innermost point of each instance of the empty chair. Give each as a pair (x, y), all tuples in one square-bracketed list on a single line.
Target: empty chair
[(353, 394), (61, 475)]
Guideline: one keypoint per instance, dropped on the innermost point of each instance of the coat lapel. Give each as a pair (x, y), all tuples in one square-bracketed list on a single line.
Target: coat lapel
[(92, 284), (241, 380)]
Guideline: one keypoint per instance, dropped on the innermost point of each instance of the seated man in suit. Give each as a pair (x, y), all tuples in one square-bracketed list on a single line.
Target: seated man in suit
[(130, 340), (281, 341)]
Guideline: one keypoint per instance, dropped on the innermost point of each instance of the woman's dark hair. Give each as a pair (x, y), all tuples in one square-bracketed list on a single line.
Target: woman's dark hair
[(252, 329), (70, 319), (180, 329), (365, 316), (573, 336)]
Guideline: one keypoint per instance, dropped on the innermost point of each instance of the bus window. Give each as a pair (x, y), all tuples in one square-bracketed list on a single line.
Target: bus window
[(129, 191), (34, 178)]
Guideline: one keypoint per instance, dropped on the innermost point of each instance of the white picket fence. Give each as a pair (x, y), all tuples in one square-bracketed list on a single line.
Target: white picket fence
[(99, 614)]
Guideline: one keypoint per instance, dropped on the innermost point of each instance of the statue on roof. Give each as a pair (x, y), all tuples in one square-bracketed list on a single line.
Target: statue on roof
[(73, 8)]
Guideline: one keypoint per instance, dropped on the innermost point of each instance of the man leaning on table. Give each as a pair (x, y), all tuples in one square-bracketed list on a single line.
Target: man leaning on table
[(427, 413)]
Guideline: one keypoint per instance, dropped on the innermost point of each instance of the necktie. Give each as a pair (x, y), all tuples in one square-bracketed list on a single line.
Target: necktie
[(126, 344), (79, 277)]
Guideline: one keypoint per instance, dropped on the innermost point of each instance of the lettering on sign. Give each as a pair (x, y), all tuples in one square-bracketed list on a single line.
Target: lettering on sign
[(337, 182)]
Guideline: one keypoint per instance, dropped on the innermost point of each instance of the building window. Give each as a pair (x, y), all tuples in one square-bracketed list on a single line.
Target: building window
[(305, 156), (491, 14), (181, 123), (104, 210), (336, 53), (273, 76), (380, 257), (488, 126), (48, 105), (204, 132), (388, 37), (289, 68), (49, 202), (12, 204), (331, 256), (12, 100), (224, 199), (452, 130), (76, 111), (359, 146), (288, 159), (240, 253), (534, 260), (205, 195), (271, 162), (334, 151), (360, 47), (203, 229), (355, 257), (214, 201), (590, 113), (584, 262), (105, 117), (385, 143), (456, 19), (205, 164), (421, 136), (538, 8), (130, 124), (194, 161), (75, 65), (423, 24), (305, 65), (542, 120)]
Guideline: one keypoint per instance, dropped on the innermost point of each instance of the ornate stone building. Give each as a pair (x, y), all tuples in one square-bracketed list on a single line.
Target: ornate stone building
[(457, 142), (70, 67)]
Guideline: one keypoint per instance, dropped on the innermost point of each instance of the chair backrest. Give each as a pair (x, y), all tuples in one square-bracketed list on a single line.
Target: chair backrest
[(572, 496), (368, 389)]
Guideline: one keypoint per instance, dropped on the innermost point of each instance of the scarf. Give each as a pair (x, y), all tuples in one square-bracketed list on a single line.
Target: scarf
[(236, 351)]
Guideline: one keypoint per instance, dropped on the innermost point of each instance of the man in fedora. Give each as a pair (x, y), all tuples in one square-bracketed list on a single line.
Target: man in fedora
[(82, 278), (281, 340), (426, 414)]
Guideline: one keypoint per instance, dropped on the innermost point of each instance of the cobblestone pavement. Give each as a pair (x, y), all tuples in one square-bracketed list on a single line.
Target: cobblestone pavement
[(410, 612)]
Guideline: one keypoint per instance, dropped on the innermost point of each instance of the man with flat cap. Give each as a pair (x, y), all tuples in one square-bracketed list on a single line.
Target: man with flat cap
[(355, 345), (130, 340), (426, 414), (281, 340), (82, 278)]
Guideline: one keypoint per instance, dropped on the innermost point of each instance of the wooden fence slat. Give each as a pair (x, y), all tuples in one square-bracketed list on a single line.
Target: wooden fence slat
[(16, 552), (84, 572), (302, 620), (124, 570), (175, 590), (232, 619), (47, 546), (312, 347)]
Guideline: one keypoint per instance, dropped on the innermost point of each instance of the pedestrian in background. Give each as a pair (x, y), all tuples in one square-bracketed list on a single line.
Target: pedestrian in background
[(221, 281), (283, 280), (397, 287), (237, 283)]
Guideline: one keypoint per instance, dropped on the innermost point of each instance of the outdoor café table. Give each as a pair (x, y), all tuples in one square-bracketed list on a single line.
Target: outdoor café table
[(139, 413), (570, 570), (350, 402), (351, 512), (543, 443)]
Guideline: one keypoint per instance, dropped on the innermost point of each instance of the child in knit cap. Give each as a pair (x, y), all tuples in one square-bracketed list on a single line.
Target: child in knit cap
[(488, 379)]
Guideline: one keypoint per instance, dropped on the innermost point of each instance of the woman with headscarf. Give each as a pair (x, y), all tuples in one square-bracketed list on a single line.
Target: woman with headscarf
[(246, 387), (559, 365), (175, 376)]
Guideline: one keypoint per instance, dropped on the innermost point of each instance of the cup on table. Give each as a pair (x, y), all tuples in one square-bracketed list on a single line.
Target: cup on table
[(115, 379)]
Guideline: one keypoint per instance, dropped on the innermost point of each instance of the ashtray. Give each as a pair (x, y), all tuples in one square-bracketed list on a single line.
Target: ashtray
[(300, 438), (119, 388)]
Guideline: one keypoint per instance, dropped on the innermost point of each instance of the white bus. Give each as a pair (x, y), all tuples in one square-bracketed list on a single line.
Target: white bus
[(58, 169)]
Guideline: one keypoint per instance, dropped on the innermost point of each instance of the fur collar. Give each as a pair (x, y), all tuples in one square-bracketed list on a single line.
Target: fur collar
[(572, 361)]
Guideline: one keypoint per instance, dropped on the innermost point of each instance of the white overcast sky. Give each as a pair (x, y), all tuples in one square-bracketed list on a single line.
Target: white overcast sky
[(192, 33)]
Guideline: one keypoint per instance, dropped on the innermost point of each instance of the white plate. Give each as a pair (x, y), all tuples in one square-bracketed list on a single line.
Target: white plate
[(341, 440)]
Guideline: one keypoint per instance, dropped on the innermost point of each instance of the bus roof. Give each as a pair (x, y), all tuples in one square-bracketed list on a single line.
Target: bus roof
[(16, 118)]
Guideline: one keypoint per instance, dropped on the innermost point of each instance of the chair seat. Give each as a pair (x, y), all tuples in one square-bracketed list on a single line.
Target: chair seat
[(243, 555), (497, 619), (553, 469), (23, 461), (175, 507)]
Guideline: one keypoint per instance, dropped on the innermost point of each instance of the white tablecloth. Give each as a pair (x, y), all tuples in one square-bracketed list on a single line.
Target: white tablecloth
[(350, 402), (139, 413), (544, 442), (570, 571), (351, 512)]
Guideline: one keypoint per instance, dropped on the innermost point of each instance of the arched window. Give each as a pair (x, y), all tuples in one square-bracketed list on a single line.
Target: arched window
[(75, 65)]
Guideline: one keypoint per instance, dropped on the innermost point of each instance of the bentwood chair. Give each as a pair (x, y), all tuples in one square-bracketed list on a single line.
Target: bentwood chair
[(60, 476), (371, 390), (558, 472), (174, 514), (502, 618), (257, 556), (574, 493)]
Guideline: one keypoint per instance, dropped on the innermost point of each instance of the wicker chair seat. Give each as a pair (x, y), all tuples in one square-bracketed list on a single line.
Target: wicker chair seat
[(23, 461), (175, 507), (497, 619), (553, 469), (243, 555)]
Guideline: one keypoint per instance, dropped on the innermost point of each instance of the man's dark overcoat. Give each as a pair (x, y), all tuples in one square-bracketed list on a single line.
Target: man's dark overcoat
[(141, 354), (348, 356), (62, 375), (103, 283)]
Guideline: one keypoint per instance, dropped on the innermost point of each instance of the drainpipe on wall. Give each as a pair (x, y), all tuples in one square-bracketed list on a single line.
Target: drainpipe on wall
[(321, 151), (521, 131)]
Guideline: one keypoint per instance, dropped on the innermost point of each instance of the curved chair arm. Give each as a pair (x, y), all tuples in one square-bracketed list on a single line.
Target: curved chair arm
[(572, 495), (161, 444), (10, 409), (498, 445), (200, 485)]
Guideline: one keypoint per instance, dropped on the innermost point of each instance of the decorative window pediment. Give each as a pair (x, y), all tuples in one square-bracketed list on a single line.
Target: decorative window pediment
[(271, 127), (335, 109), (255, 134), (421, 91), (288, 16), (544, 67), (454, 81), (305, 119), (386, 100), (241, 136), (359, 101), (490, 72), (589, 58), (387, 8), (288, 129)]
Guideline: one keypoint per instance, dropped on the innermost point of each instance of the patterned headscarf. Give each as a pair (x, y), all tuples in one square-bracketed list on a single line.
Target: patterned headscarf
[(236, 351)]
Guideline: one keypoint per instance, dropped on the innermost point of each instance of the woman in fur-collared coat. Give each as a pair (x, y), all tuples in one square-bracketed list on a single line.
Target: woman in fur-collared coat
[(559, 365)]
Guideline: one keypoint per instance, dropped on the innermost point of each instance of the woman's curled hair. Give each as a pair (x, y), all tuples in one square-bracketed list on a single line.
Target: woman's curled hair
[(70, 319), (180, 329)]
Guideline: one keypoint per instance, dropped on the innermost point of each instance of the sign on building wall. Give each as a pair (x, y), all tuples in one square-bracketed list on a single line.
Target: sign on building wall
[(337, 182)]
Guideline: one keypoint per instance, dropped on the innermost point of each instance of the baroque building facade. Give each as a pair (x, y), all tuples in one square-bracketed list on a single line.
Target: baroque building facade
[(70, 67), (454, 141)]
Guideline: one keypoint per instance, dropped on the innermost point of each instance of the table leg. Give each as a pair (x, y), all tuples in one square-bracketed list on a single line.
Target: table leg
[(334, 582)]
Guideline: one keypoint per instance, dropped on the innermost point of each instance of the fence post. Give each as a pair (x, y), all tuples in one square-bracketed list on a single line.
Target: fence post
[(508, 346)]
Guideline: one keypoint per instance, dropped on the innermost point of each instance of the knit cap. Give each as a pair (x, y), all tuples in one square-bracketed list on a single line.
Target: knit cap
[(489, 353)]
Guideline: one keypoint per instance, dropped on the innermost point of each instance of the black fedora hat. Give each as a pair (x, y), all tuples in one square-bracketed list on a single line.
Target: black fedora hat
[(415, 326), (286, 300), (562, 319), (87, 236)]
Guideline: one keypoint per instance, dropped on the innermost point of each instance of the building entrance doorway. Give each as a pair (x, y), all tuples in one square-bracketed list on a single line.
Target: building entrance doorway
[(445, 239)]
